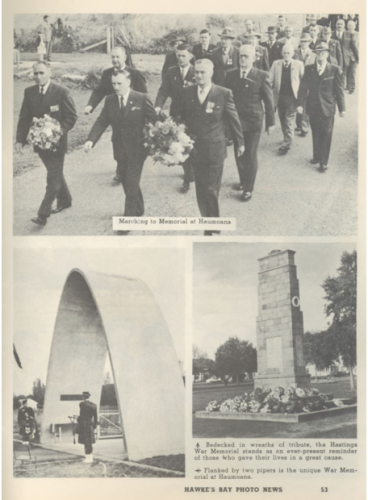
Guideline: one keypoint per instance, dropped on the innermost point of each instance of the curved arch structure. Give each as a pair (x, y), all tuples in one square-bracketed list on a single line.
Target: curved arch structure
[(99, 314)]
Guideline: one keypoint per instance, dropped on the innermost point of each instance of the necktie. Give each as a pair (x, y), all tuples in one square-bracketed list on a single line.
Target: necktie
[(320, 68), (182, 73), (244, 75), (122, 107), (42, 92), (286, 65), (201, 96), (224, 56)]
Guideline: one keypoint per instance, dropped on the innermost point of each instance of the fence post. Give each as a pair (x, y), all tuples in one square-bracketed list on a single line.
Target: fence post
[(112, 38)]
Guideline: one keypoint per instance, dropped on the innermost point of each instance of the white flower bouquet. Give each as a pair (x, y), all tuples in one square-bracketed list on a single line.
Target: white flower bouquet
[(167, 142), (45, 133)]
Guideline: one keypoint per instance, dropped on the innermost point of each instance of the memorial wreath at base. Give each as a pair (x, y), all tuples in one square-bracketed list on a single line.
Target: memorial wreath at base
[(168, 142), (278, 400), (45, 133)]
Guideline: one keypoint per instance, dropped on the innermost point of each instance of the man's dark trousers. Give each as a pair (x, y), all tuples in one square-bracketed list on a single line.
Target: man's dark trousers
[(130, 175), (56, 187), (247, 163), (322, 128), (207, 182)]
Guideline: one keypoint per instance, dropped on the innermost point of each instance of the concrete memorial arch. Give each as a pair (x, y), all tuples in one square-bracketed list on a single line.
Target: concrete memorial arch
[(103, 314)]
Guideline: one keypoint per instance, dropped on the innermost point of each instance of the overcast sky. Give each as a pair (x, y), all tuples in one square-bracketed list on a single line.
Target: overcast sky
[(40, 274), (225, 280)]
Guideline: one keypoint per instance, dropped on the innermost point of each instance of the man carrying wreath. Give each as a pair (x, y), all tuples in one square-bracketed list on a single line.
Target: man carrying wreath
[(205, 108), (48, 98)]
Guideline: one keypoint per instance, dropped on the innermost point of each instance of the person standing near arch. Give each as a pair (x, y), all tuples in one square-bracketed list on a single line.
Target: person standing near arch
[(87, 423)]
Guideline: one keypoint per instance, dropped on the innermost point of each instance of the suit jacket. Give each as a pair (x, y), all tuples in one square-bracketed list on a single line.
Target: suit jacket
[(274, 52), (306, 58), (57, 103), (248, 97), (220, 69), (335, 56), (200, 54), (206, 122), (88, 413), (171, 60), (105, 88), (127, 127), (349, 48), (323, 92), (172, 87), (47, 32), (261, 61), (297, 71), (280, 33), (312, 45)]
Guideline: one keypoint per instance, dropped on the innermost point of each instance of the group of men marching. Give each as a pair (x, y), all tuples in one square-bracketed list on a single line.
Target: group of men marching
[(221, 92)]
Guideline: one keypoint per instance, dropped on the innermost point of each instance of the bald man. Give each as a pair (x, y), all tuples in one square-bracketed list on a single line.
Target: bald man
[(205, 107), (105, 88), (251, 89)]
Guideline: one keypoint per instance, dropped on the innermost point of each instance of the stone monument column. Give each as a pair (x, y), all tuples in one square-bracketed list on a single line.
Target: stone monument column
[(279, 323)]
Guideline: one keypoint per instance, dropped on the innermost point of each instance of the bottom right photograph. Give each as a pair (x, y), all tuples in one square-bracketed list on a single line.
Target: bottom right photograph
[(274, 340)]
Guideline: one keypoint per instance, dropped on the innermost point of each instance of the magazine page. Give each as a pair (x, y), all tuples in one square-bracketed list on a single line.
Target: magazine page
[(184, 250)]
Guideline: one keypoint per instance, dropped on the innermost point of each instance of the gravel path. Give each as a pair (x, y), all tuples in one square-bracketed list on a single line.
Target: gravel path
[(291, 197)]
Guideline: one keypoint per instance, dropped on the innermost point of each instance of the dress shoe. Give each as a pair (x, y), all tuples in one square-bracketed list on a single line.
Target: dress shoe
[(41, 221), (185, 187), (284, 149), (229, 142), (207, 233), (60, 209), (238, 187), (117, 178), (298, 129), (303, 134), (246, 196), (122, 233), (322, 168), (313, 161), (351, 91)]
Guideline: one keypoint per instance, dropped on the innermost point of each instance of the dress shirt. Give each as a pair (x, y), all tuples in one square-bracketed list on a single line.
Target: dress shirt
[(203, 93)]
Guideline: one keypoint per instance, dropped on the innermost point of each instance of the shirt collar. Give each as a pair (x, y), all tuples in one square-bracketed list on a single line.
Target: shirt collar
[(206, 90), (246, 72), (45, 87), (125, 97)]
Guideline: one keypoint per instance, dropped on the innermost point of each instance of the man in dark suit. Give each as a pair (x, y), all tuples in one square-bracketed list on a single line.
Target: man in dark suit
[(261, 57), (335, 56), (87, 424), (171, 59), (204, 109), (274, 47), (204, 49), (320, 90), (281, 25), (289, 37), (105, 88), (251, 89), (313, 18), (54, 100), (26, 422), (314, 34), (306, 56), (225, 57), (176, 79), (127, 112), (348, 45)]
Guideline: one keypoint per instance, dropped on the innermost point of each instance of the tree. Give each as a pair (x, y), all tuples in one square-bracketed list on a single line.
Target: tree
[(38, 391), (341, 296), (198, 358), (234, 358), (320, 349)]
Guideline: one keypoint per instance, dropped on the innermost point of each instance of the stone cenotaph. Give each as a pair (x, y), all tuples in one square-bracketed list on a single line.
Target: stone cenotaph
[(279, 323)]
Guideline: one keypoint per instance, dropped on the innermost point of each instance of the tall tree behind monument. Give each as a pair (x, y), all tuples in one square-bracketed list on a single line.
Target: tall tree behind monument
[(279, 323)]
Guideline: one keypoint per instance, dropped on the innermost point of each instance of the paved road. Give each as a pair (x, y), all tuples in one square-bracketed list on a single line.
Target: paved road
[(291, 197)]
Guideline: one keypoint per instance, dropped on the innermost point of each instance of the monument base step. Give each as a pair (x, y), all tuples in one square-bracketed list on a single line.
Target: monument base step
[(278, 417)]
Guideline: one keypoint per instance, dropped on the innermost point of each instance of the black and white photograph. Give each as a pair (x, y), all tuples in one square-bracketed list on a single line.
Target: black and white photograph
[(274, 340), (253, 118), (99, 363)]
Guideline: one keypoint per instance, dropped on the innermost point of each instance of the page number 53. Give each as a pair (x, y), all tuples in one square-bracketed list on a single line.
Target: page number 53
[(324, 490)]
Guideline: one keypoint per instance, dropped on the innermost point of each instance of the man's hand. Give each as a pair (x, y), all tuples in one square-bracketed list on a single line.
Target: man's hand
[(87, 110), (240, 151), (158, 110), (299, 110), (19, 148), (342, 114), (271, 129), (88, 146)]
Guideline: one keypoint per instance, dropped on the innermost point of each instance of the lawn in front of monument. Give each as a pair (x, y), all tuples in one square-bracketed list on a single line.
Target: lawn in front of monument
[(342, 426)]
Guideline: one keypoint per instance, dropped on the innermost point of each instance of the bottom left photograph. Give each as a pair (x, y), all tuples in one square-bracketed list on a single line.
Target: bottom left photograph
[(99, 380)]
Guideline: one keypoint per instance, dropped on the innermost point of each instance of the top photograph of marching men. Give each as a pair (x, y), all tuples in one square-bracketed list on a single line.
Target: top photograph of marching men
[(253, 117)]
